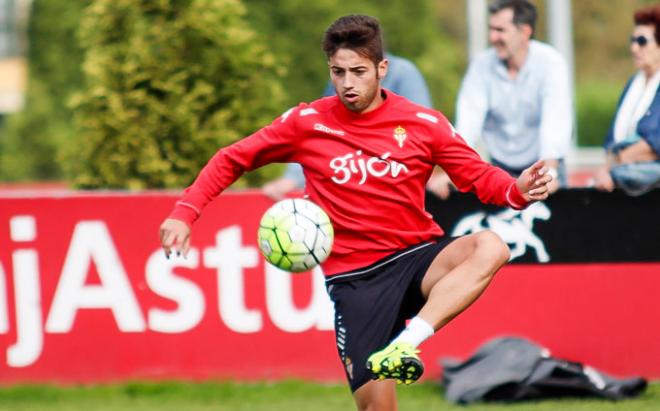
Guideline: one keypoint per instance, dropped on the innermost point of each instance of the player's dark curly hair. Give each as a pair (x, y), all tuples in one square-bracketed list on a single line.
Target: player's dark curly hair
[(649, 16), (359, 33)]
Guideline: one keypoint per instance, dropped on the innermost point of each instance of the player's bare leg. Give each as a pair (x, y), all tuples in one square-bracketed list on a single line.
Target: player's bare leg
[(459, 274), (455, 279), (376, 396)]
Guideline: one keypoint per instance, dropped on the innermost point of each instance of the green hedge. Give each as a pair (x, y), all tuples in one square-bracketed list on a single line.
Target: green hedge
[(167, 84)]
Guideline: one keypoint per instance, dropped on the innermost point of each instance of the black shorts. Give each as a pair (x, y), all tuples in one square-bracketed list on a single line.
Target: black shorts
[(372, 304)]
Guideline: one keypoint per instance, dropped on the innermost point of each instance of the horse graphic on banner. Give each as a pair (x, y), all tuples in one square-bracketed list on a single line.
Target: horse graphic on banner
[(515, 227)]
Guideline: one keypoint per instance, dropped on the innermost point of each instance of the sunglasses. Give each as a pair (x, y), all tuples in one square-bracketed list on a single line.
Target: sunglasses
[(640, 40)]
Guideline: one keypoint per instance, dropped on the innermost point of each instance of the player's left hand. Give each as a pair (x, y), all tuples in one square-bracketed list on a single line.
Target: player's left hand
[(534, 182)]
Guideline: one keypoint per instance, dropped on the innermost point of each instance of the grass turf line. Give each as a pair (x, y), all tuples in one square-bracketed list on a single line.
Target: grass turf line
[(287, 395)]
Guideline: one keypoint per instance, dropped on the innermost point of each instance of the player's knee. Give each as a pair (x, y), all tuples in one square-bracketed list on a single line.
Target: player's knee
[(493, 248)]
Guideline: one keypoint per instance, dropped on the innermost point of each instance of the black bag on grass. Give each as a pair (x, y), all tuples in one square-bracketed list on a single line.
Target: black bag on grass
[(512, 369)]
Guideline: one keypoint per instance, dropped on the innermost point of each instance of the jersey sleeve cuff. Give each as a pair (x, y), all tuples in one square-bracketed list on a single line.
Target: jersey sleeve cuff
[(185, 212), (515, 198)]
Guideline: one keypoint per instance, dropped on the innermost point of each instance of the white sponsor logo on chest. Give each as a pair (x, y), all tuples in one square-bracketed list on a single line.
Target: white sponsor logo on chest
[(326, 129), (358, 165)]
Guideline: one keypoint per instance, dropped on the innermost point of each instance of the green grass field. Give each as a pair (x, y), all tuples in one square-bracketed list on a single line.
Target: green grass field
[(289, 396)]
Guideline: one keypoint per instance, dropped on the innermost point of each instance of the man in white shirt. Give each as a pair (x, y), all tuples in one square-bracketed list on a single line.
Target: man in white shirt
[(516, 96)]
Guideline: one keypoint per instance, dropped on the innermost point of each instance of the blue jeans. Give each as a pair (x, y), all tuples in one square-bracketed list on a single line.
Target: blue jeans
[(635, 179)]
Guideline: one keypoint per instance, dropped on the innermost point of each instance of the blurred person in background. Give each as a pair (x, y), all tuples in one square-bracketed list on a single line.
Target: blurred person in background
[(633, 141), (367, 155), (516, 97), (403, 78)]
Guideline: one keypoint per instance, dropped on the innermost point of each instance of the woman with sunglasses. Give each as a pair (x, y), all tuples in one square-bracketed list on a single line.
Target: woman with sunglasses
[(633, 142)]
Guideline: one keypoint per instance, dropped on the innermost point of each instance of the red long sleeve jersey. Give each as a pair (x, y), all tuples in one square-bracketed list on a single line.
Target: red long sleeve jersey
[(367, 171)]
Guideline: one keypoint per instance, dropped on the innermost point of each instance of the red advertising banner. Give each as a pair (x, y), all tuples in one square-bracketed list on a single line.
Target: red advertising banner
[(87, 295)]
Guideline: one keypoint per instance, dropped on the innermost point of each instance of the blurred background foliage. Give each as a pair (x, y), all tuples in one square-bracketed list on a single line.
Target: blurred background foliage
[(166, 84), (31, 139), (294, 29), (140, 93)]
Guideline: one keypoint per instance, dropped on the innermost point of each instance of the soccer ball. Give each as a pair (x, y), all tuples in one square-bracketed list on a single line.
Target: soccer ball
[(295, 235)]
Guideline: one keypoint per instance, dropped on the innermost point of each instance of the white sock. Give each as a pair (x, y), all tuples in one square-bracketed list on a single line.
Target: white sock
[(416, 332)]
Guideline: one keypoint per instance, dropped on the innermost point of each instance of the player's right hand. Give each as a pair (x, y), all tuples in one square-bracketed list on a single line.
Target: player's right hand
[(175, 236)]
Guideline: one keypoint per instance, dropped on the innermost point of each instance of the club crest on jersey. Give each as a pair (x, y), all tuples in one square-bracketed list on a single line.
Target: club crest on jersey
[(400, 135)]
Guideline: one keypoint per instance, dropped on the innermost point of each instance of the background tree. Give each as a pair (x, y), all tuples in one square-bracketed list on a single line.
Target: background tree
[(30, 139), (167, 84)]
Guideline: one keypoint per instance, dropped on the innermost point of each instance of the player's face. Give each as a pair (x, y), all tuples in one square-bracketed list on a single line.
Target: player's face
[(507, 39), (647, 56), (357, 80)]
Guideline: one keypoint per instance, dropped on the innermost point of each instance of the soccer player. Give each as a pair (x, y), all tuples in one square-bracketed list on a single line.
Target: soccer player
[(367, 154)]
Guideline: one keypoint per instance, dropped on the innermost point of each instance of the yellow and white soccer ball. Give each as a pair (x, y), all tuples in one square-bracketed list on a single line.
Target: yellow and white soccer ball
[(295, 235)]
